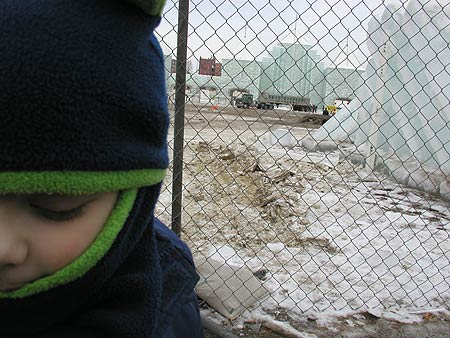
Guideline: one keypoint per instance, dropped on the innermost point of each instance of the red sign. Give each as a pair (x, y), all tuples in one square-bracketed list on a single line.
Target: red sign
[(210, 67)]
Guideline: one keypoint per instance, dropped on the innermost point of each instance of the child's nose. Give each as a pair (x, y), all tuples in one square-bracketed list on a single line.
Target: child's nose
[(13, 249)]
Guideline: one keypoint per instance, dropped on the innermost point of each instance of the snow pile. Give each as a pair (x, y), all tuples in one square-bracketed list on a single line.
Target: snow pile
[(321, 240), (230, 289), (401, 113)]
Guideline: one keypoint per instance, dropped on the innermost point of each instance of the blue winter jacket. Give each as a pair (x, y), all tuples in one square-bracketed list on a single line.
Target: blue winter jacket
[(182, 317)]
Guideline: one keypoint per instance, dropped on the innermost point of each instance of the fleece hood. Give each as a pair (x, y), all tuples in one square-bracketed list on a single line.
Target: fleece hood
[(83, 104), (121, 296)]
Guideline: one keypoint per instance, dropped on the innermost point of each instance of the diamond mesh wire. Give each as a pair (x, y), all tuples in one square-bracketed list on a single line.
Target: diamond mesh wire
[(342, 205)]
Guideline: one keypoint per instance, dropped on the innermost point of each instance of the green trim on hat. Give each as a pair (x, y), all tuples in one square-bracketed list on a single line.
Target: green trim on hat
[(89, 258), (153, 8), (77, 182), (159, 6)]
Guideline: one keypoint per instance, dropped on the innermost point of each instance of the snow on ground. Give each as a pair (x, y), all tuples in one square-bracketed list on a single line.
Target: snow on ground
[(324, 241)]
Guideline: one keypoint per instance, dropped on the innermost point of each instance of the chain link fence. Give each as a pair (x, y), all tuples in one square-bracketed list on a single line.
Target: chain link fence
[(311, 145)]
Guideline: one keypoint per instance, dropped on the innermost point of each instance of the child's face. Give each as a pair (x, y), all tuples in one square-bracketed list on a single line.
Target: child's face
[(40, 234)]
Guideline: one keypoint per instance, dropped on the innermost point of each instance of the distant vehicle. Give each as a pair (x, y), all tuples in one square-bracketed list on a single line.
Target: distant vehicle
[(268, 101), (330, 110), (245, 101)]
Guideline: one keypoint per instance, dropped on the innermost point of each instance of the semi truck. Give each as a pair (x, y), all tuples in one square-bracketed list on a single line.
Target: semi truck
[(244, 101), (270, 101)]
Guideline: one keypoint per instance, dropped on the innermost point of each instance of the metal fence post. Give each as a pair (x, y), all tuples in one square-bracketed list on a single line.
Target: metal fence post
[(180, 100)]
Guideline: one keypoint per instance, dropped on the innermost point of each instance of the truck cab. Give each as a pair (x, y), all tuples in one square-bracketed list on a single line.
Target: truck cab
[(245, 101)]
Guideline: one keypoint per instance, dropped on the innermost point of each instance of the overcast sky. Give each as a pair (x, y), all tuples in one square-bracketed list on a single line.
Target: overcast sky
[(247, 29)]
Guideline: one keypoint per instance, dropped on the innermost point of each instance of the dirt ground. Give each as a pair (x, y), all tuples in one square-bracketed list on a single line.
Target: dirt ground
[(233, 170), (356, 326)]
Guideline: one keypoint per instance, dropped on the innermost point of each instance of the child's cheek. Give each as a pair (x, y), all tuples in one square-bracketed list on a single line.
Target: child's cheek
[(62, 248)]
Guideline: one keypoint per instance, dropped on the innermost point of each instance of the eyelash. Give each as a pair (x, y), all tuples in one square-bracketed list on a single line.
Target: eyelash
[(58, 216)]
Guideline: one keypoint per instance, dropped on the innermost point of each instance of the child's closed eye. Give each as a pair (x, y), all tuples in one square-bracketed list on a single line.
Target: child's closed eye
[(59, 208), (58, 215)]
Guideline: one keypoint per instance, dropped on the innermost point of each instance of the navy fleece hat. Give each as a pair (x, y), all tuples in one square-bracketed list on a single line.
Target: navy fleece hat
[(83, 104)]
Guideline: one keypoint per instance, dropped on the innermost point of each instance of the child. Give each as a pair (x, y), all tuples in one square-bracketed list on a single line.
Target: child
[(83, 127)]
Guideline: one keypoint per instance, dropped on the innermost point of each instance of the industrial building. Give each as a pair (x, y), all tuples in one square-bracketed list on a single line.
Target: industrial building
[(289, 69)]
